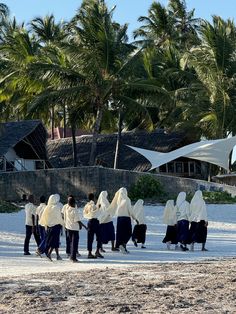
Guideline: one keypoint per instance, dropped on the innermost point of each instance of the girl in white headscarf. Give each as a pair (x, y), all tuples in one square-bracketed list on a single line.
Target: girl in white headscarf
[(52, 220), (121, 207), (106, 224), (139, 232), (182, 214), (169, 218), (198, 218)]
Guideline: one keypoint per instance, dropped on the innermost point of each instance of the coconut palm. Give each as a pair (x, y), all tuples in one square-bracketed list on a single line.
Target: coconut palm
[(169, 25), (47, 30), (215, 64), (93, 69)]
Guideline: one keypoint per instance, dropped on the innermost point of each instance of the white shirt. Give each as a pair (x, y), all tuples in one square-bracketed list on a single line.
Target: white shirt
[(30, 210), (40, 209), (91, 211), (182, 211), (71, 218), (124, 209)]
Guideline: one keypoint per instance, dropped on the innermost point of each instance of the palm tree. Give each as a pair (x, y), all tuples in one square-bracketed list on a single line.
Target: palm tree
[(47, 30), (215, 64), (93, 69), (158, 28), (169, 25), (49, 33)]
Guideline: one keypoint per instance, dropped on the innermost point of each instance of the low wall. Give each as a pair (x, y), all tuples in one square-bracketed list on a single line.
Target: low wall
[(83, 180)]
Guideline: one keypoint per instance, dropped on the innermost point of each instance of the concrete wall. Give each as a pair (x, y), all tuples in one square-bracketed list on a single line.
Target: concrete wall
[(80, 181), (229, 179)]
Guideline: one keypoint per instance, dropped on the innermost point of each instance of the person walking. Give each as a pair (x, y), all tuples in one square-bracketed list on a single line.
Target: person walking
[(121, 207), (140, 229), (106, 224), (92, 213), (182, 214), (169, 218), (41, 229), (72, 225), (52, 220), (30, 224), (199, 223)]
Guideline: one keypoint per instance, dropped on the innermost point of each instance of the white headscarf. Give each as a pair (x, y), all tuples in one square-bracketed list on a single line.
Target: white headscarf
[(120, 204), (104, 204), (180, 199), (169, 215), (103, 201), (138, 211), (52, 213), (182, 207), (198, 207)]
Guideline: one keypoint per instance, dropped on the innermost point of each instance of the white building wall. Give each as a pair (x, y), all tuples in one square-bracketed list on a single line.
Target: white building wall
[(11, 155), (19, 163)]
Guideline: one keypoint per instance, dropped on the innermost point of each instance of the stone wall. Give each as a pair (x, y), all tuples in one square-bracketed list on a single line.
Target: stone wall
[(82, 180)]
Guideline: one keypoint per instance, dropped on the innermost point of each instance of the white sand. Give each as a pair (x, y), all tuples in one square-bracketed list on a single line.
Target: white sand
[(151, 280)]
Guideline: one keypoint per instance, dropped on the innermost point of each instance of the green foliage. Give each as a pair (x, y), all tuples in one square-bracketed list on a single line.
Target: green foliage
[(218, 197), (7, 207), (147, 188)]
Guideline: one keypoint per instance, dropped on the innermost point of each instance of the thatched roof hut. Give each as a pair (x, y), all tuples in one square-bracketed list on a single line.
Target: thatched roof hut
[(60, 152)]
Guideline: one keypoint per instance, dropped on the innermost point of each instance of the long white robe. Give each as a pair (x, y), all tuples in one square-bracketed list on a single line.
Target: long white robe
[(169, 215), (51, 215), (138, 212), (198, 209), (104, 204), (182, 207)]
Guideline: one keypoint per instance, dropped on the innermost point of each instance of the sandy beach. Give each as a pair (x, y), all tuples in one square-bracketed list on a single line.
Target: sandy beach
[(152, 280), (206, 287)]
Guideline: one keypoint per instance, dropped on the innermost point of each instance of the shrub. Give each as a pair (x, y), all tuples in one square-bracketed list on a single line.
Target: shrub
[(7, 207), (218, 197), (147, 188)]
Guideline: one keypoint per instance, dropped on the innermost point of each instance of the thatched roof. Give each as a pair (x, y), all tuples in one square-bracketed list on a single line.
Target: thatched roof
[(60, 151), (28, 139)]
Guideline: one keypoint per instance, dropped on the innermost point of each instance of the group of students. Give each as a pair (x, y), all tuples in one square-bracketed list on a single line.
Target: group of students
[(47, 221), (186, 222)]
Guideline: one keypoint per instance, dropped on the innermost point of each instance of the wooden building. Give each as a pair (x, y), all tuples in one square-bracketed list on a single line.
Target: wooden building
[(23, 146)]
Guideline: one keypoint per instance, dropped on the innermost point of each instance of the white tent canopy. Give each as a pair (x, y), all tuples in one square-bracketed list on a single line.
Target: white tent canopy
[(215, 152)]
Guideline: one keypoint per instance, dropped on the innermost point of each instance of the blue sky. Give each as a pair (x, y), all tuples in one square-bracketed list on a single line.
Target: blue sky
[(126, 10)]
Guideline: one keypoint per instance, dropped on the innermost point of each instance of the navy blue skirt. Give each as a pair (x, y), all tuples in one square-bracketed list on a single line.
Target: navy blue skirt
[(139, 233), (192, 232), (183, 231), (107, 232), (201, 232), (171, 235), (123, 230), (53, 237)]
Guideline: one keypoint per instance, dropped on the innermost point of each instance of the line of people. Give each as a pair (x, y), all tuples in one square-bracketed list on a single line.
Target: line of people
[(46, 222), (186, 222)]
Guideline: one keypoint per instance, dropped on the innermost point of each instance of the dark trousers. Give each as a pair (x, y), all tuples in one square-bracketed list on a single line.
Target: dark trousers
[(42, 245), (73, 236), (68, 242), (93, 229), (28, 233)]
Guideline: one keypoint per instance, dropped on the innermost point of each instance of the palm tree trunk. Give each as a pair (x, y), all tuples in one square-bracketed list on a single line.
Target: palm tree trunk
[(52, 123), (116, 159), (95, 136), (75, 158), (64, 121)]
